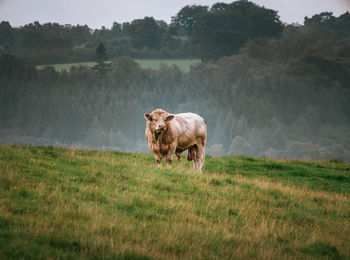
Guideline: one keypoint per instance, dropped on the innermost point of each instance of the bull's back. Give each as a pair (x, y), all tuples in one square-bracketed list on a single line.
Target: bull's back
[(191, 127)]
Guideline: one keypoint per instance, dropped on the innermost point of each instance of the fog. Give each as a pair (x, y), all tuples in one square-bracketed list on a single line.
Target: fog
[(266, 90), (250, 109)]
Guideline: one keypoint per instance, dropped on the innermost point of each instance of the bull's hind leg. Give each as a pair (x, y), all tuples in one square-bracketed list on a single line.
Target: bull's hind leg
[(193, 154), (190, 153), (199, 157)]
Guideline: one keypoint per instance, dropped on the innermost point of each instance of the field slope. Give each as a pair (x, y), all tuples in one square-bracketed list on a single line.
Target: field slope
[(67, 203)]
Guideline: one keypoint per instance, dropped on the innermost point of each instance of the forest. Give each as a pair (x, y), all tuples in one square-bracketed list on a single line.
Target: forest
[(231, 25), (267, 90)]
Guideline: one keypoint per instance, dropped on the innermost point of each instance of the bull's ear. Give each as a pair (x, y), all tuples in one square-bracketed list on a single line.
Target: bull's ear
[(169, 118), (148, 117)]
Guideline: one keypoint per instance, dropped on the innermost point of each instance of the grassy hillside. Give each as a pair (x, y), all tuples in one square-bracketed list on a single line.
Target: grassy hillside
[(145, 64), (68, 203)]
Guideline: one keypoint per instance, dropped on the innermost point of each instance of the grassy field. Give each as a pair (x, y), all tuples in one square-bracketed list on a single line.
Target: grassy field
[(154, 64), (67, 203), (67, 66), (145, 64)]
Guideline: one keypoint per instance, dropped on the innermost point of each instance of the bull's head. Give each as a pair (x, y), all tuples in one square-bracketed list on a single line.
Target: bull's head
[(158, 120)]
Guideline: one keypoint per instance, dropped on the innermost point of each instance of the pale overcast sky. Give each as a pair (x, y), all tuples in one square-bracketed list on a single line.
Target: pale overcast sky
[(96, 13)]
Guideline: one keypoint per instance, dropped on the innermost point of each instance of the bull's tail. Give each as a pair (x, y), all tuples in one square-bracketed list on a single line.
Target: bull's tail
[(191, 153)]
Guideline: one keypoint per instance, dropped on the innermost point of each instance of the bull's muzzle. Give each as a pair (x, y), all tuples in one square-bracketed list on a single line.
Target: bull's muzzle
[(160, 129)]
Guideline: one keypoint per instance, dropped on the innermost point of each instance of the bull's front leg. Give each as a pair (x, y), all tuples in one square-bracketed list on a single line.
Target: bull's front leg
[(158, 159), (170, 154)]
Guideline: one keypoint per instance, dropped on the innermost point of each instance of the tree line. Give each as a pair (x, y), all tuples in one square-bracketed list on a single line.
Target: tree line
[(282, 97), (195, 32)]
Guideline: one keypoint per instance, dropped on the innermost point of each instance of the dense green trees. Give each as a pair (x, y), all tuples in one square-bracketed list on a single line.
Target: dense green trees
[(222, 30), (52, 43), (145, 33), (101, 53), (196, 32), (6, 36), (101, 58), (188, 16)]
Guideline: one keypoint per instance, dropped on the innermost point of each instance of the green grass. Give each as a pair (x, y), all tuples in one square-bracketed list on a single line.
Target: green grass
[(154, 64), (67, 203), (183, 64), (67, 66)]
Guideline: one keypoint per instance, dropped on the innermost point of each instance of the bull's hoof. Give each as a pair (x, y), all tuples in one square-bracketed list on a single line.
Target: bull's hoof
[(178, 155)]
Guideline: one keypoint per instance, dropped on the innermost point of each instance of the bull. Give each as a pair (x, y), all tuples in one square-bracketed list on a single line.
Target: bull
[(169, 134)]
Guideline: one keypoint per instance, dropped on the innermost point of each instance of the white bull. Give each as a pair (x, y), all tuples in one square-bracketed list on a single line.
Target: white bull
[(169, 134)]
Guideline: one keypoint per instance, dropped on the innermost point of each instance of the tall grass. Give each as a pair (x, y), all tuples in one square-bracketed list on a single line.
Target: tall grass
[(68, 203)]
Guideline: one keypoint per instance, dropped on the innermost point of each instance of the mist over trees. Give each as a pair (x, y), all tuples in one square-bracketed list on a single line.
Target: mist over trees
[(282, 94)]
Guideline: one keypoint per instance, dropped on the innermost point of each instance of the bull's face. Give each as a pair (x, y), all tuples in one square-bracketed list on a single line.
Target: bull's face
[(159, 121)]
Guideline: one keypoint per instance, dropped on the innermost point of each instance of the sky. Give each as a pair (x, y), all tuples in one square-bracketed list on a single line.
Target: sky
[(97, 13)]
